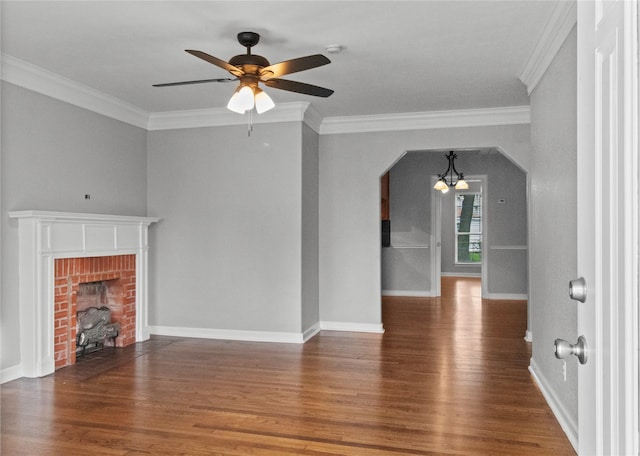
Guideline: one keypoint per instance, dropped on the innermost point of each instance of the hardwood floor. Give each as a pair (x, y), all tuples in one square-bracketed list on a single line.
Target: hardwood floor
[(449, 376)]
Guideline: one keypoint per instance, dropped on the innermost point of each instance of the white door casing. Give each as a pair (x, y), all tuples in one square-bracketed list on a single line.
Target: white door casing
[(607, 231), (436, 238)]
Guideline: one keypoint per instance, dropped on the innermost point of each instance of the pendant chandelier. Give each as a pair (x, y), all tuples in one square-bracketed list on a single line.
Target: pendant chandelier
[(445, 184)]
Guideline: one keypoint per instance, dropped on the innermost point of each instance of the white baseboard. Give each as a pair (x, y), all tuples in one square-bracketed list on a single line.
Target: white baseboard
[(508, 296), (265, 336), (567, 423), (461, 274), (230, 334), (409, 293), (353, 327), (310, 332), (11, 373)]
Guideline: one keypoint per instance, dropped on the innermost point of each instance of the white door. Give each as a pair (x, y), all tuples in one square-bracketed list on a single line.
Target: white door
[(608, 226)]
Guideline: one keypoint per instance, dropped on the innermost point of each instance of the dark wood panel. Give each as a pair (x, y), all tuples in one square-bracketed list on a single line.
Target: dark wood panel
[(449, 376), (384, 196)]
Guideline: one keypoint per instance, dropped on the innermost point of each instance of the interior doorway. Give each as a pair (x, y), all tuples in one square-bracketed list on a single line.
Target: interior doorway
[(412, 259), (460, 224)]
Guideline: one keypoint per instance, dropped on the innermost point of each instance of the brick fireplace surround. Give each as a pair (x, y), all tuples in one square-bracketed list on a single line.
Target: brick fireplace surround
[(69, 274), (56, 252)]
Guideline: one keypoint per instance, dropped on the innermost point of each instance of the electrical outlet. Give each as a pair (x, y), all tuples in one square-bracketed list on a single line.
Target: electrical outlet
[(87, 196), (564, 370)]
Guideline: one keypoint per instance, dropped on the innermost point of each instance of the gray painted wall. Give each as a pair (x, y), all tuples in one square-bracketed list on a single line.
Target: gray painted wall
[(53, 154), (406, 265), (553, 223), (310, 236), (228, 252), (350, 170)]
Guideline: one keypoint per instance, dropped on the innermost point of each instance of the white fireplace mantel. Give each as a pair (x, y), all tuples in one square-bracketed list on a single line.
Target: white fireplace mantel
[(45, 236)]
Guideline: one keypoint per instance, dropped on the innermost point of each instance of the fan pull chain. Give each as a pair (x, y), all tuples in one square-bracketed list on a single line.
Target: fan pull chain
[(250, 123)]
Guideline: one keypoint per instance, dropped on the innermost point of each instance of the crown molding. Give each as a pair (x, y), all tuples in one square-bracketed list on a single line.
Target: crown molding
[(511, 115), (560, 23), (220, 117), (313, 118), (23, 74)]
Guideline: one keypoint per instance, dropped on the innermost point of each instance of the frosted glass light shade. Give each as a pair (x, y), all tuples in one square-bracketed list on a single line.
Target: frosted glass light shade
[(242, 100), (442, 186), (234, 104), (263, 101), (462, 185)]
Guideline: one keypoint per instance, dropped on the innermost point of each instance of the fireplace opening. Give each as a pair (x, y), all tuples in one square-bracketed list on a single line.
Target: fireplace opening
[(93, 283), (99, 307)]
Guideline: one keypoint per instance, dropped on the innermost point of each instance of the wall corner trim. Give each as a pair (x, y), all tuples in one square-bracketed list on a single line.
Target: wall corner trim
[(560, 23)]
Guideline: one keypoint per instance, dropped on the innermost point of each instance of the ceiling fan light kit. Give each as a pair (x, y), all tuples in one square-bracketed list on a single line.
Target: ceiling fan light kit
[(251, 69)]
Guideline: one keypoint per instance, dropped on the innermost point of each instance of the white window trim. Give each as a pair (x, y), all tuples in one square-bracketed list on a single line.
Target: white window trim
[(482, 225)]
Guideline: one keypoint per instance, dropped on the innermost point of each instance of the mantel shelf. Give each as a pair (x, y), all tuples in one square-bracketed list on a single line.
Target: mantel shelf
[(81, 217)]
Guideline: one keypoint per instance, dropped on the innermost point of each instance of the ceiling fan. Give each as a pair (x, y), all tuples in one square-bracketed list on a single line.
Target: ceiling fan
[(251, 69)]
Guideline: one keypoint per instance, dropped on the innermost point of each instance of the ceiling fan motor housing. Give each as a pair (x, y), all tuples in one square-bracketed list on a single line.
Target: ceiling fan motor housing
[(249, 59), (249, 62), (248, 39)]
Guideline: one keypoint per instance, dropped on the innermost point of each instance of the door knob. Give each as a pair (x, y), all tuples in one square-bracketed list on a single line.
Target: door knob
[(565, 349)]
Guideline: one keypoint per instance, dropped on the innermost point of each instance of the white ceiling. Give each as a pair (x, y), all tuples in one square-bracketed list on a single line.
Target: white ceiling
[(399, 56)]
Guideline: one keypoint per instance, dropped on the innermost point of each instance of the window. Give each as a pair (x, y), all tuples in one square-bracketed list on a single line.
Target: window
[(468, 228)]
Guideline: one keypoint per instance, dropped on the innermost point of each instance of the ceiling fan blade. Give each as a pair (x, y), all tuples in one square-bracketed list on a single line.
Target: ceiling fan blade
[(293, 66), (234, 70), (199, 81), (299, 87)]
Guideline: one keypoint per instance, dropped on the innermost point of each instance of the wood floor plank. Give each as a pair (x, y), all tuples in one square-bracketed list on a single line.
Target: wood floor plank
[(448, 377)]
